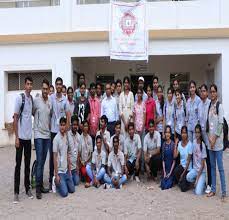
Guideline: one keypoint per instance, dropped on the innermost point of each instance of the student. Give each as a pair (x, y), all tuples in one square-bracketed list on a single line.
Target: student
[(113, 89), (86, 150), (182, 149), (120, 136), (215, 136), (159, 110), (64, 90), (151, 148), (51, 90), (176, 86), (59, 110), (168, 161), (180, 114), (202, 118), (77, 93), (192, 110), (95, 107), (133, 148), (139, 114), (82, 107), (118, 93), (169, 112), (126, 105), (74, 139), (197, 174), (141, 87), (23, 135), (70, 101), (42, 135), (61, 160), (150, 108), (99, 93), (105, 134), (155, 87), (116, 166), (109, 108), (96, 170)]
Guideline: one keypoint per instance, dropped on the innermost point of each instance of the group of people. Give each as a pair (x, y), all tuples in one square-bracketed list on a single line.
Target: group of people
[(109, 139)]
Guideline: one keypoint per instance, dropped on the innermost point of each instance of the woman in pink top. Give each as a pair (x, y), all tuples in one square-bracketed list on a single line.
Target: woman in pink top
[(150, 107), (139, 113)]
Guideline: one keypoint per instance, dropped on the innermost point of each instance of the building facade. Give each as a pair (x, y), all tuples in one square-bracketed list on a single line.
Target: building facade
[(187, 40)]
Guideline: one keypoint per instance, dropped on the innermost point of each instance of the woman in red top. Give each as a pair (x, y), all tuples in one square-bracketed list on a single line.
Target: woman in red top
[(150, 108)]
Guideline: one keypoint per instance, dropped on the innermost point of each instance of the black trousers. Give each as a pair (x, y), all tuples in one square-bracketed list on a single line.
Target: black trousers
[(177, 173), (155, 164), (51, 164), (111, 127), (132, 169), (208, 168), (26, 146)]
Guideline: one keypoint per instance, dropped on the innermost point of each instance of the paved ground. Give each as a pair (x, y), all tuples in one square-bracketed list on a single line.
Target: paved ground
[(134, 201)]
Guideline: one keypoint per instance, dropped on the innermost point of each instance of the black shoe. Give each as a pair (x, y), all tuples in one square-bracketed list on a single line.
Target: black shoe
[(38, 195), (44, 190)]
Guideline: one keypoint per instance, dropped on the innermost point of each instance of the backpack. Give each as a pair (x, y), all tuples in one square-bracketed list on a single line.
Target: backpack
[(23, 105), (33, 174), (225, 127)]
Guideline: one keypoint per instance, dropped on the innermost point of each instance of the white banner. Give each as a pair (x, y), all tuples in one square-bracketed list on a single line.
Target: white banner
[(128, 31)]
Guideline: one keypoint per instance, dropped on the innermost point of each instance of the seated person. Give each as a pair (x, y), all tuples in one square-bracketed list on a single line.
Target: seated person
[(116, 165), (85, 152), (61, 160), (74, 142), (152, 147), (96, 169), (133, 147)]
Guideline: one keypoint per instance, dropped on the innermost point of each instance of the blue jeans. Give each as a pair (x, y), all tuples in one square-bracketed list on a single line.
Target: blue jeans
[(200, 186), (108, 180), (217, 156), (99, 175), (75, 177), (41, 146), (66, 184)]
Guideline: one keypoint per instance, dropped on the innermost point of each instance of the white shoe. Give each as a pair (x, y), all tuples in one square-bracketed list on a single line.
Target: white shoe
[(208, 189), (137, 179), (120, 187), (132, 178), (106, 186)]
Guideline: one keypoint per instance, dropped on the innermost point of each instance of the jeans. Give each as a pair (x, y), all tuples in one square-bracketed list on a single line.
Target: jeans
[(99, 175), (66, 184), (200, 186), (26, 145), (41, 146), (217, 156), (51, 165), (75, 177), (108, 180)]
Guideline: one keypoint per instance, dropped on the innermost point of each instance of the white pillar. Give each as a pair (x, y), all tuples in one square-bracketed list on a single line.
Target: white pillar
[(2, 98)]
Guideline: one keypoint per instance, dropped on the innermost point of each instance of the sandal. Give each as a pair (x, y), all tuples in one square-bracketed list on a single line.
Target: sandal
[(211, 194)]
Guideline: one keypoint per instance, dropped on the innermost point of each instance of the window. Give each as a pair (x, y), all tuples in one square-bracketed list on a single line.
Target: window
[(183, 78), (16, 80)]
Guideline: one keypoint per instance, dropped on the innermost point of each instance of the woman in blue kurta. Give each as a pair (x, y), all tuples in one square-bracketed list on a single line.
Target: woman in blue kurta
[(168, 161)]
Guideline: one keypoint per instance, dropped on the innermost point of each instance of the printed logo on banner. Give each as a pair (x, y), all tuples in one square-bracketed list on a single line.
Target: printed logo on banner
[(128, 23)]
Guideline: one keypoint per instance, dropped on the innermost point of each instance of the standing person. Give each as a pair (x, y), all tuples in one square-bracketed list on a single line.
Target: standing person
[(95, 107), (61, 159), (159, 110), (105, 134), (169, 112), (215, 136), (99, 93), (202, 118), (42, 135), (139, 114), (74, 139), (64, 90), (141, 81), (192, 110), (70, 101), (133, 148), (113, 88), (109, 108), (116, 167), (182, 149), (150, 108), (155, 87), (151, 148), (126, 105), (86, 150), (168, 161), (59, 110), (118, 92), (77, 93), (176, 86), (96, 170), (51, 90), (180, 114), (82, 107), (197, 174), (23, 135)]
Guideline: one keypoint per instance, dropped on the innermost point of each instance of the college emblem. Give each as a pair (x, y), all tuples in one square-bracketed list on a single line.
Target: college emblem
[(128, 23)]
